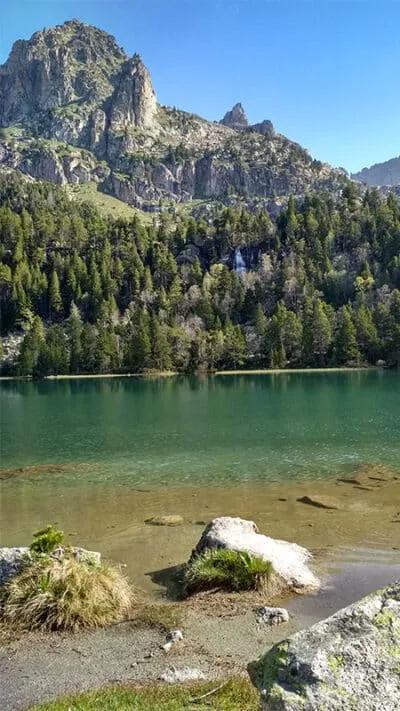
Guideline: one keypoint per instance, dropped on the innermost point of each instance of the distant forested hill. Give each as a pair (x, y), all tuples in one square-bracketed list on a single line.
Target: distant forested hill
[(317, 286)]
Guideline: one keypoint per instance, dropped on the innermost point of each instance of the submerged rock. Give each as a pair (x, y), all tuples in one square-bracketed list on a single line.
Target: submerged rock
[(320, 502), (14, 560), (348, 661), (290, 561), (172, 520)]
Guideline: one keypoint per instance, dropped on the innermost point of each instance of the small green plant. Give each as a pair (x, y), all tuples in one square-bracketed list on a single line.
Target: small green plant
[(228, 570), (46, 540), (66, 594)]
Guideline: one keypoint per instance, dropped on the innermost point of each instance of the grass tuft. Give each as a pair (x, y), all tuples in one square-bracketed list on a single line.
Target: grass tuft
[(227, 570), (236, 695), (65, 594)]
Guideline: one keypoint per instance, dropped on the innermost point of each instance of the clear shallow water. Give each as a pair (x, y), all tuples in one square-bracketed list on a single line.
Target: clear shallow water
[(198, 431)]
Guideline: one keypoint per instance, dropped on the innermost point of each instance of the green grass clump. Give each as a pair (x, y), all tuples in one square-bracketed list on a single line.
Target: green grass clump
[(65, 594), (227, 570), (236, 695), (46, 540)]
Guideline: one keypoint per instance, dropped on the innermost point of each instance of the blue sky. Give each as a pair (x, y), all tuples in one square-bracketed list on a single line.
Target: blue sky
[(326, 72)]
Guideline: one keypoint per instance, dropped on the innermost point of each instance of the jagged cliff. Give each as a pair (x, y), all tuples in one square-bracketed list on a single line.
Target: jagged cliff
[(387, 173), (75, 108)]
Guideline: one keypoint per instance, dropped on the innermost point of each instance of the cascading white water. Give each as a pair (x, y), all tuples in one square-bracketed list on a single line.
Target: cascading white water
[(239, 265)]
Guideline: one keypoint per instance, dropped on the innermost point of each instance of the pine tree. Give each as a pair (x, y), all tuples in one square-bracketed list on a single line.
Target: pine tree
[(235, 346), (317, 334), (367, 334), (161, 351), (55, 301), (74, 330), (138, 351), (345, 348)]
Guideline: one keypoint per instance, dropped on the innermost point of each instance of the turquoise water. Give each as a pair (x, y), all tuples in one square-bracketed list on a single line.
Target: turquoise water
[(196, 431)]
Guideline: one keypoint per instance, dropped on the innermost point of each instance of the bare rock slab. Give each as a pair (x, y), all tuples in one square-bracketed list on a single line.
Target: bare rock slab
[(290, 561), (349, 661), (182, 675)]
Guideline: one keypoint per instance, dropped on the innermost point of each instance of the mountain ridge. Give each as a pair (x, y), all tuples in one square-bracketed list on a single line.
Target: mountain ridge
[(76, 109), (386, 173)]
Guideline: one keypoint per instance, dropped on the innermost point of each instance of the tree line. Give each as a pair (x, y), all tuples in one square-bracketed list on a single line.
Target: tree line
[(91, 294)]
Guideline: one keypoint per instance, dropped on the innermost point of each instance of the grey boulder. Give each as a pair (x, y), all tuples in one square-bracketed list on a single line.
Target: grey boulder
[(13, 560), (271, 616), (350, 661)]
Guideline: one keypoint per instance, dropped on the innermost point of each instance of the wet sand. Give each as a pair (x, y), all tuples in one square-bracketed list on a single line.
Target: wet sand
[(363, 513)]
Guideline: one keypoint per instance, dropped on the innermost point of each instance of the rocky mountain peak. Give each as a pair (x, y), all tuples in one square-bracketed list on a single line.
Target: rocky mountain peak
[(236, 118), (74, 108), (68, 63)]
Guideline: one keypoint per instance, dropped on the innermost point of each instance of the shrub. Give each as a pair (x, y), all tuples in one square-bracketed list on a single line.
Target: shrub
[(46, 540), (226, 569), (66, 594)]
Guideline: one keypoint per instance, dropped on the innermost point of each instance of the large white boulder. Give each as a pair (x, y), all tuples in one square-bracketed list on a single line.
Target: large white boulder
[(290, 561)]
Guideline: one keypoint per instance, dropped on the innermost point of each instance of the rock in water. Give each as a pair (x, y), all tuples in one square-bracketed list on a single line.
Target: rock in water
[(320, 502), (348, 661), (290, 561), (169, 520)]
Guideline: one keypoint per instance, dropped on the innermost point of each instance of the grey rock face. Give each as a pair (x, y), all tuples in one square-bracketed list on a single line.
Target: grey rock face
[(266, 128), (14, 560), (236, 118), (57, 67), (349, 661), (387, 173), (133, 102)]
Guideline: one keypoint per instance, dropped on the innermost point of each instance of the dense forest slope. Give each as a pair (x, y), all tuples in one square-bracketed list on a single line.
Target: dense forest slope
[(80, 292), (74, 108), (387, 173)]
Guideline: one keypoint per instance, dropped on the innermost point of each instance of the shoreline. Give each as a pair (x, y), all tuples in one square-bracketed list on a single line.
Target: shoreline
[(350, 563), (172, 373), (359, 509)]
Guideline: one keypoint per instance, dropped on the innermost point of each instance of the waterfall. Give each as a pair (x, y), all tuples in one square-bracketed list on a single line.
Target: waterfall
[(239, 265)]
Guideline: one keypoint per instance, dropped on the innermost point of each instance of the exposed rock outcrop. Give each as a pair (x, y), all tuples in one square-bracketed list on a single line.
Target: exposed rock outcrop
[(290, 561), (134, 101), (387, 173), (348, 661), (266, 128), (236, 118)]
